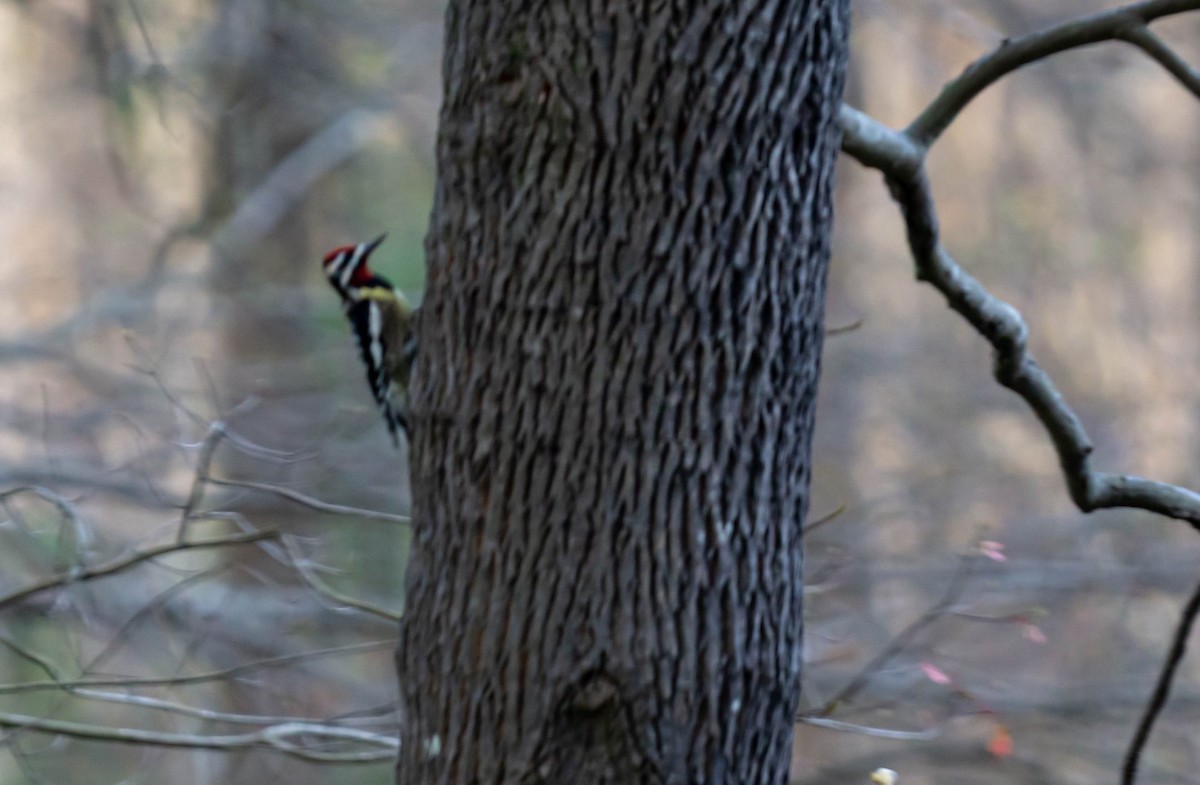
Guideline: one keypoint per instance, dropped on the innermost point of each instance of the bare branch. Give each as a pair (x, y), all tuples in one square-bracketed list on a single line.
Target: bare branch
[(301, 563), (267, 204), (1003, 327), (874, 145), (130, 560), (64, 506), (277, 737), (149, 368), (147, 702), (216, 431), (82, 537), (196, 678), (1162, 690), (844, 328), (1014, 53), (85, 478), (1143, 38), (900, 156), (153, 605), (811, 526), (313, 503), (874, 732), (29, 655), (900, 642)]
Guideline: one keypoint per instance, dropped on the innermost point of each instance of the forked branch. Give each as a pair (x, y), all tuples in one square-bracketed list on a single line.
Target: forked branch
[(900, 156), (1127, 23)]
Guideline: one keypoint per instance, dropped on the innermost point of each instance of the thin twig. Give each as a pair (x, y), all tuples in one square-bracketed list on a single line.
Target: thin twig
[(196, 678), (216, 432), (267, 204), (130, 560), (313, 503), (183, 709), (149, 368), (277, 737), (1144, 38), (78, 476), (902, 640), (844, 328), (122, 635), (322, 589), (1162, 690), (813, 525), (878, 733), (65, 507), (29, 655)]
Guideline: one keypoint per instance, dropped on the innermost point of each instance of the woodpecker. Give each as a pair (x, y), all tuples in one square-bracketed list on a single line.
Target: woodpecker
[(382, 323)]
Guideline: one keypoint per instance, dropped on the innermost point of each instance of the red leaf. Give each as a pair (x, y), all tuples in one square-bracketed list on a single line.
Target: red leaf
[(935, 674), (1001, 743)]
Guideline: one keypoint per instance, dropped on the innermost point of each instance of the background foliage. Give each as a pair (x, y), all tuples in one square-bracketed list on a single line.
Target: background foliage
[(170, 174)]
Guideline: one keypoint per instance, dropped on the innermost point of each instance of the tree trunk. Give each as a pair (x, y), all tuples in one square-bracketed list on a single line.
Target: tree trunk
[(613, 407)]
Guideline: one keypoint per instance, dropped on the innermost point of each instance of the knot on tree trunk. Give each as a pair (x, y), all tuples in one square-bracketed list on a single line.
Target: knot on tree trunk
[(590, 739)]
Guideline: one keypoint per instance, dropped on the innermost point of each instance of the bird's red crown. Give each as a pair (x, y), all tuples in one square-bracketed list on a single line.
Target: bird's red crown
[(336, 260)]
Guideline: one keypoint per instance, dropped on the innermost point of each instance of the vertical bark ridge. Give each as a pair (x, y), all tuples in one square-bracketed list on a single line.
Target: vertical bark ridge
[(620, 342)]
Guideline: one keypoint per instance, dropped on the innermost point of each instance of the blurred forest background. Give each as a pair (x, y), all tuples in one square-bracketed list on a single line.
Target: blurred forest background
[(170, 176)]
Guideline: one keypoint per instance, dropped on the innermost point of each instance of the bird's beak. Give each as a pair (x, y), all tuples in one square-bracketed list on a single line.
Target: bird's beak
[(371, 246)]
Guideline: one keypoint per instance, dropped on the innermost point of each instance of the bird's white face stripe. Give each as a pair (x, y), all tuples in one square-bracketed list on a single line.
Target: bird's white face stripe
[(352, 264), (333, 269), (375, 328)]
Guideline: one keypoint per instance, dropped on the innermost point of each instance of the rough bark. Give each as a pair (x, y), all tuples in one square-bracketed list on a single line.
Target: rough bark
[(613, 407)]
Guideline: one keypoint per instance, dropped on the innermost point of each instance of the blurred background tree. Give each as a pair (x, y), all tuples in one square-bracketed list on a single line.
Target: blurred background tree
[(170, 174)]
